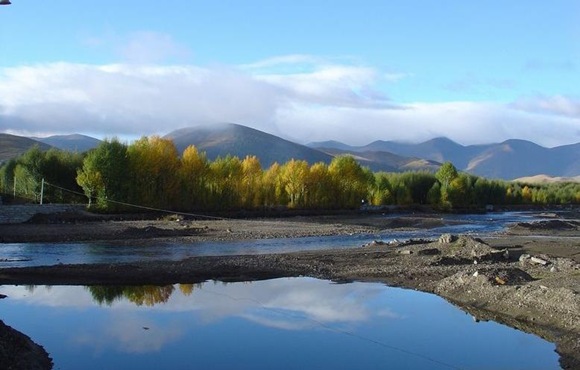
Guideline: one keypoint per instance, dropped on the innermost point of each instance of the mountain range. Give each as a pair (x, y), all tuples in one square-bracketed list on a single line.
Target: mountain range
[(508, 160)]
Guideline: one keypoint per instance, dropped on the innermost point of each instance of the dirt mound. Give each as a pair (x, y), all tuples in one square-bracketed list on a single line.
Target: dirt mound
[(18, 351), (549, 225)]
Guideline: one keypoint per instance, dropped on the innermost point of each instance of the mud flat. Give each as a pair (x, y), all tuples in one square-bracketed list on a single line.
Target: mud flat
[(527, 277)]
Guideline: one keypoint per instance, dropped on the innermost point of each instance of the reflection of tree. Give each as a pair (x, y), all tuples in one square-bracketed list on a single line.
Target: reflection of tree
[(186, 289), (148, 295)]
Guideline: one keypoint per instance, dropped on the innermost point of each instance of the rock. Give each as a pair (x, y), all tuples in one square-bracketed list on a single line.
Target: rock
[(428, 252), (476, 274), (446, 238), (524, 257), (554, 269), (406, 251), (538, 261), (374, 243), (506, 254), (2, 296)]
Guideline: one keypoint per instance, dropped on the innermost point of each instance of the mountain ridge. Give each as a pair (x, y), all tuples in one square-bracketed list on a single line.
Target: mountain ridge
[(510, 159)]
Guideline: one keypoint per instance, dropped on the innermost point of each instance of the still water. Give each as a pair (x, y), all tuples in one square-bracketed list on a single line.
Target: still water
[(290, 323), (38, 254)]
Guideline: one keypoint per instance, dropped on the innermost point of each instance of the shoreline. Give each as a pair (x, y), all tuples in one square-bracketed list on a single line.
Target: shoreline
[(543, 299)]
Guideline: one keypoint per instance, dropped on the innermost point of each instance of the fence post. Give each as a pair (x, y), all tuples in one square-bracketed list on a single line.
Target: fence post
[(41, 190)]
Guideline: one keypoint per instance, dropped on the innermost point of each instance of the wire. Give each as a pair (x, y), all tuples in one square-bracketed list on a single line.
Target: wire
[(141, 206)]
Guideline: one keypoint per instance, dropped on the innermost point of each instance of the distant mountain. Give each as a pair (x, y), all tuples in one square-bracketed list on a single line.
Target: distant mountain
[(224, 139), (73, 143), (237, 140), (518, 158), (388, 162), (12, 146), (508, 160), (543, 179)]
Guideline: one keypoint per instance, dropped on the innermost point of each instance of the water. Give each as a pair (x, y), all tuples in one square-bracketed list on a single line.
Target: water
[(38, 254), (290, 323)]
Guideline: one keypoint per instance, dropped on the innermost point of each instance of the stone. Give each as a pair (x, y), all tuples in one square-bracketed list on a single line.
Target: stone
[(538, 261), (524, 257), (446, 238)]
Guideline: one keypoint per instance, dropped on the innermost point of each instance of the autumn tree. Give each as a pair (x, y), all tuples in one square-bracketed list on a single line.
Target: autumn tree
[(319, 187), (251, 191), (273, 187), (154, 168), (194, 175), (294, 175), (352, 182), (224, 182)]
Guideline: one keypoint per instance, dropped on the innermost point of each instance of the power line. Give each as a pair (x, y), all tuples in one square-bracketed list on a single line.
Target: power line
[(339, 331), (141, 206)]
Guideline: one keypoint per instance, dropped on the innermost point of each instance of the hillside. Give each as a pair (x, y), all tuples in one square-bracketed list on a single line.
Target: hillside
[(388, 162), (12, 146), (228, 138), (73, 143), (508, 160)]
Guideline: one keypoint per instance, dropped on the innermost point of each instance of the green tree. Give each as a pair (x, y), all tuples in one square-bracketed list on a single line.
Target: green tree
[(105, 174), (446, 173)]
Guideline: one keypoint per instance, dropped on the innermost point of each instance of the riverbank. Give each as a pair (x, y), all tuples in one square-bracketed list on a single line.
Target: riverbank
[(491, 278)]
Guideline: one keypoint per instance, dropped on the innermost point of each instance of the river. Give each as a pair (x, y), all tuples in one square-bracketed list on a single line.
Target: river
[(39, 254)]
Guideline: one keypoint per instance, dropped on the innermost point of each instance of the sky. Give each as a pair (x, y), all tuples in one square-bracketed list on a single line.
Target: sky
[(313, 70)]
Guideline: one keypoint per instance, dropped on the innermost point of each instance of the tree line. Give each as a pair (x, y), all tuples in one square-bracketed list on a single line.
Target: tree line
[(151, 173)]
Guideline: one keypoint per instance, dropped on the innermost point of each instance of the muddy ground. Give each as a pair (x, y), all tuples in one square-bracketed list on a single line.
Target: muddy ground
[(527, 277)]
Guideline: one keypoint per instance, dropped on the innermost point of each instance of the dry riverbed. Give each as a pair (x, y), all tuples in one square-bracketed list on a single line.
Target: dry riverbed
[(527, 277)]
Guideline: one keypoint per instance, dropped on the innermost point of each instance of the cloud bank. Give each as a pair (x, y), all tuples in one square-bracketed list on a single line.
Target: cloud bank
[(297, 97)]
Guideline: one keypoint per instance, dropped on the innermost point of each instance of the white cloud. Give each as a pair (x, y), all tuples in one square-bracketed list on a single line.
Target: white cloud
[(557, 105), (300, 97), (152, 47)]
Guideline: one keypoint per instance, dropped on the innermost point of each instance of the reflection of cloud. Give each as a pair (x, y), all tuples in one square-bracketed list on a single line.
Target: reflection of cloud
[(284, 322), (57, 296), (293, 301), (131, 334), (288, 303)]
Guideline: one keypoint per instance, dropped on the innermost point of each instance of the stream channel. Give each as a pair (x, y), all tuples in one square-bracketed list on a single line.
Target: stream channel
[(289, 323)]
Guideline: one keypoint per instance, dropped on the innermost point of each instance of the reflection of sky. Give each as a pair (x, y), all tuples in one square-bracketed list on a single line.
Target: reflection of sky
[(283, 323)]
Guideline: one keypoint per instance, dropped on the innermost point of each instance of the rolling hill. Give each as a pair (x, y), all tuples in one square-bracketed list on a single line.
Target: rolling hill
[(238, 140), (12, 146), (73, 143), (228, 138), (507, 160), (511, 159)]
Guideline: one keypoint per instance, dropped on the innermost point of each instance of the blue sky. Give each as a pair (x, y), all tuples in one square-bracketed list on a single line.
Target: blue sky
[(305, 70)]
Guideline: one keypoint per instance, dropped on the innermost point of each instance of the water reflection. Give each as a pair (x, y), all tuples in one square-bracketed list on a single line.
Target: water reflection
[(147, 295), (293, 323)]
